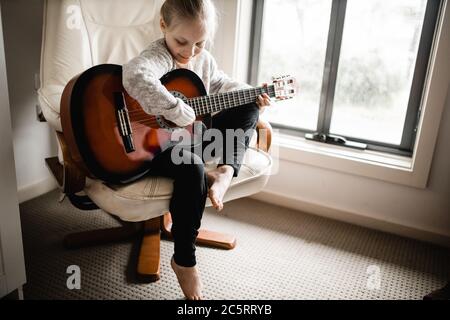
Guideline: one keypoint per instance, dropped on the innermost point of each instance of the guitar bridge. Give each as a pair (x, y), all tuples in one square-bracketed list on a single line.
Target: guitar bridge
[(123, 119)]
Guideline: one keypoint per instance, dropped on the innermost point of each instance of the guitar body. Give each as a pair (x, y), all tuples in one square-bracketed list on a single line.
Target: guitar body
[(91, 127)]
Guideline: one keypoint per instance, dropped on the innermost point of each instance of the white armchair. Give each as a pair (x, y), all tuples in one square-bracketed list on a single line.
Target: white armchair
[(77, 35)]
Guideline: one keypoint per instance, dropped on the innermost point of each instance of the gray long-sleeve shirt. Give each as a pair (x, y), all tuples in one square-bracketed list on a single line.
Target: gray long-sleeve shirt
[(141, 79)]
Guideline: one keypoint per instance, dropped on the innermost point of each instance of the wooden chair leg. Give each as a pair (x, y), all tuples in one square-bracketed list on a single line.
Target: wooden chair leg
[(205, 237), (149, 255)]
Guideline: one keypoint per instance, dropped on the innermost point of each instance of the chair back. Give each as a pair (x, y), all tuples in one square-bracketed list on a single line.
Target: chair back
[(79, 34)]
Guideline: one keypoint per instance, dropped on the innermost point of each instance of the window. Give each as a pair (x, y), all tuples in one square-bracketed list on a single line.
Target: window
[(361, 66)]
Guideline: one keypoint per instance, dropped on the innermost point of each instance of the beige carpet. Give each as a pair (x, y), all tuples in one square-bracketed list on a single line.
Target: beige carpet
[(281, 254)]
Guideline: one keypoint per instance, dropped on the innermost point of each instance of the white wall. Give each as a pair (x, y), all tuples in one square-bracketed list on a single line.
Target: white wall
[(233, 36), (418, 213), (12, 266), (33, 140), (225, 36)]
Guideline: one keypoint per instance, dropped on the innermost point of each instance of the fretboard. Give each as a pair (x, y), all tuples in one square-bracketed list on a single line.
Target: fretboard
[(218, 102)]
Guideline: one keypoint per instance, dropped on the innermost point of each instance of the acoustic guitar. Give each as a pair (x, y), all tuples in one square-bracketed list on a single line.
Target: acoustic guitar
[(110, 137)]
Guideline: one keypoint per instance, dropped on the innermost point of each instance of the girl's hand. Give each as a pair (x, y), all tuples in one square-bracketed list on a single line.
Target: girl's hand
[(263, 101)]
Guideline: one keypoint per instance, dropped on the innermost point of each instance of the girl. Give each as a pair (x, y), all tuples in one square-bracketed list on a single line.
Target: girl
[(187, 25)]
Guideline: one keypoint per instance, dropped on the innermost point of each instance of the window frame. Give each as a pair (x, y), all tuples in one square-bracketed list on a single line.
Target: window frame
[(335, 35)]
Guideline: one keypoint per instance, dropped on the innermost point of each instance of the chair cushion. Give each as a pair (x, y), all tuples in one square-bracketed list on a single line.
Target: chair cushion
[(49, 98), (149, 197)]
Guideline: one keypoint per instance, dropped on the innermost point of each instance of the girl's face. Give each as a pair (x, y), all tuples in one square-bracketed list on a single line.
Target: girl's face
[(185, 39)]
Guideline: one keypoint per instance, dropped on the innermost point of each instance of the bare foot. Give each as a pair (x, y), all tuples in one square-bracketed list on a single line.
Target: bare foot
[(219, 180), (189, 281)]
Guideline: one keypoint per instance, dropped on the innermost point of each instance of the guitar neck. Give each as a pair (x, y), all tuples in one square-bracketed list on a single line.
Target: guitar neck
[(218, 102)]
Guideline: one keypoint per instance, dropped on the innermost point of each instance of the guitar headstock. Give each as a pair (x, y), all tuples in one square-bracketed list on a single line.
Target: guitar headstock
[(285, 87)]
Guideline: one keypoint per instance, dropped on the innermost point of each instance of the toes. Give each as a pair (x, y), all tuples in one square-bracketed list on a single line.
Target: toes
[(215, 202)]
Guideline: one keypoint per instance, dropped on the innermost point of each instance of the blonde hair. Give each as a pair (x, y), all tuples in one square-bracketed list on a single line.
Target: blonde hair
[(180, 10)]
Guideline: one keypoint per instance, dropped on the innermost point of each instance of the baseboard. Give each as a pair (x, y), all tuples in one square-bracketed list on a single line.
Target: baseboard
[(353, 218), (37, 189)]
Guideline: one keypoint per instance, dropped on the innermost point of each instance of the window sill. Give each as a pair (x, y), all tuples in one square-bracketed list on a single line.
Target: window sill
[(366, 163)]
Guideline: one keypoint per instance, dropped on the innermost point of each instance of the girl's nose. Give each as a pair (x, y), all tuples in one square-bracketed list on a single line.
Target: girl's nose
[(190, 51)]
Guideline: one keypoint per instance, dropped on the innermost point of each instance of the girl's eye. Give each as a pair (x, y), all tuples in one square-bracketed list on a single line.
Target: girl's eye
[(201, 44), (181, 43)]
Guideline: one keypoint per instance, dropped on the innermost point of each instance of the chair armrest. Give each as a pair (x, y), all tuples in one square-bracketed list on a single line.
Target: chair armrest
[(264, 135), (74, 180)]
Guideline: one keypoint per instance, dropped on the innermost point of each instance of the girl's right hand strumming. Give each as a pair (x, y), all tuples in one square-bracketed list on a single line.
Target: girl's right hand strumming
[(182, 115)]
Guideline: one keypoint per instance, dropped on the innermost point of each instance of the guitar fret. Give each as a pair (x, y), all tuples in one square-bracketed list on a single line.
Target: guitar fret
[(199, 107), (208, 104), (192, 104), (214, 103), (217, 103), (203, 105), (232, 98), (223, 101)]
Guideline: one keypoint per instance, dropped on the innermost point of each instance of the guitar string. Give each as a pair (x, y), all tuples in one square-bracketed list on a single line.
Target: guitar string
[(142, 116), (197, 102), (200, 109), (153, 122), (145, 119), (224, 99), (213, 106)]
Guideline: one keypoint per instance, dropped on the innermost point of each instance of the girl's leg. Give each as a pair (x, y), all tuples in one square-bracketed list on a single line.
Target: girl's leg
[(236, 127), (186, 208), (187, 202), (244, 119)]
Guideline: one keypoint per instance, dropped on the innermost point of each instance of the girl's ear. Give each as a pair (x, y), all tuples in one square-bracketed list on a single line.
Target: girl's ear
[(162, 25)]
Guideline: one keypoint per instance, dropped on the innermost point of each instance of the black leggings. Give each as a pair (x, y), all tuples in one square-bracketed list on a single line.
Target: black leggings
[(190, 188)]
